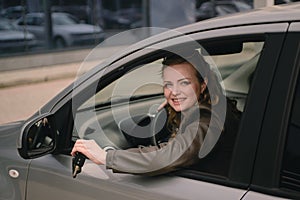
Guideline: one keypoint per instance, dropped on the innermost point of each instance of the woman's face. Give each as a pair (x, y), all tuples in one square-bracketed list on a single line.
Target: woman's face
[(181, 86)]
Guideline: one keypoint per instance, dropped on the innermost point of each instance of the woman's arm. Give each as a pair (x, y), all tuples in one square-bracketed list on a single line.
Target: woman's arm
[(182, 151)]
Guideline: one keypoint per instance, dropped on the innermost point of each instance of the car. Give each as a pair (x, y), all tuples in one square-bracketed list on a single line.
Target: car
[(122, 18), (67, 30), (13, 40), (255, 55), (13, 12), (81, 12), (217, 8)]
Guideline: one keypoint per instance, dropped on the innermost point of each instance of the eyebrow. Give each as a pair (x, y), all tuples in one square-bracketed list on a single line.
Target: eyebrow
[(185, 79), (189, 79)]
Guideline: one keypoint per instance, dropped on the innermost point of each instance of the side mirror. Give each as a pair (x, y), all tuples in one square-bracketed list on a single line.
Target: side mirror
[(37, 137)]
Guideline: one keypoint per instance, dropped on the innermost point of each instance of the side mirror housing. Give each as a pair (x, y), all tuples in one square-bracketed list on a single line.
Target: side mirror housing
[(37, 137)]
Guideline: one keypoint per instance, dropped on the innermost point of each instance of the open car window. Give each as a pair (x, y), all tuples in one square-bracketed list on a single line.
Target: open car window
[(138, 90), (143, 81)]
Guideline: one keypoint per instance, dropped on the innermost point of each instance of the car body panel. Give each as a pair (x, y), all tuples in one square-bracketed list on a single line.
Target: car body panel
[(12, 39), (99, 181), (7, 35), (295, 26), (14, 169), (259, 196), (16, 40)]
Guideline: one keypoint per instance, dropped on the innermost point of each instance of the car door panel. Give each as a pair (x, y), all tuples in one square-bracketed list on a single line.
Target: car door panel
[(259, 196), (53, 173), (13, 175)]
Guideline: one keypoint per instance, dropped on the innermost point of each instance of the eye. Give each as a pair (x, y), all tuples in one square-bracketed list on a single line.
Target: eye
[(185, 83), (168, 85)]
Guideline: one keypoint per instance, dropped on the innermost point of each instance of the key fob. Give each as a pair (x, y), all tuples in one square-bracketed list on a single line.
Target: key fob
[(77, 163)]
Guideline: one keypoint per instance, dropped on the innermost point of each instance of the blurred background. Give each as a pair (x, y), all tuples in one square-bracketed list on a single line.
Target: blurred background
[(35, 26), (43, 43)]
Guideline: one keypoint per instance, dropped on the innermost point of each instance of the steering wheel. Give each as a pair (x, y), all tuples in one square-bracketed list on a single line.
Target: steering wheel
[(158, 127), (145, 129)]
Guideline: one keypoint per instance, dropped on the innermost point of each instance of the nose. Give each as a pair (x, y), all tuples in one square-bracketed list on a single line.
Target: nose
[(175, 90)]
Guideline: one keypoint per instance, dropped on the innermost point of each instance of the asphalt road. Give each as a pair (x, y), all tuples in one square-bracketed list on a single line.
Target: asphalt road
[(20, 102)]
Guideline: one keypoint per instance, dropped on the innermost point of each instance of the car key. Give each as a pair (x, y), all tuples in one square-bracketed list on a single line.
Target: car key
[(77, 163)]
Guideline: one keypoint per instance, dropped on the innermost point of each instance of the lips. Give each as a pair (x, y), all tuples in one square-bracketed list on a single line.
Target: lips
[(178, 100)]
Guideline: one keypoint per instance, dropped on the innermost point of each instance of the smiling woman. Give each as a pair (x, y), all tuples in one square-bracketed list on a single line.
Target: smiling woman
[(181, 88)]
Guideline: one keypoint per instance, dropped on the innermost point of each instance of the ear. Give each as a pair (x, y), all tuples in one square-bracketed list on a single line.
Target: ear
[(203, 85)]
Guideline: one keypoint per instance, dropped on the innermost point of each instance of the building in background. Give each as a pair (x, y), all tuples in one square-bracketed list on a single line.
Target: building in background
[(171, 14), (115, 16)]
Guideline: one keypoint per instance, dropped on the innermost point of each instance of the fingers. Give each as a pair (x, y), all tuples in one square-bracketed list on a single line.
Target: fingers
[(162, 105), (78, 147), (91, 150)]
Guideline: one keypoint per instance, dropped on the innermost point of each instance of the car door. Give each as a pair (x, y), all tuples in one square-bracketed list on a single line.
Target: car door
[(277, 167), (50, 176), (54, 172)]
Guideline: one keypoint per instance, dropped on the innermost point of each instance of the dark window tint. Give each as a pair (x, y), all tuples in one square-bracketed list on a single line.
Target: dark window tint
[(290, 177)]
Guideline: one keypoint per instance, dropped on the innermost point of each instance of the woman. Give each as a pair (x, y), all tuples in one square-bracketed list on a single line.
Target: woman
[(189, 106)]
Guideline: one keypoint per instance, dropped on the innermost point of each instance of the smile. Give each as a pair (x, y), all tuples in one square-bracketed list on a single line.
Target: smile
[(178, 100)]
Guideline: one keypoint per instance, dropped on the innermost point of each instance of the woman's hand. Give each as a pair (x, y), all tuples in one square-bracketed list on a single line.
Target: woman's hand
[(91, 150), (162, 105)]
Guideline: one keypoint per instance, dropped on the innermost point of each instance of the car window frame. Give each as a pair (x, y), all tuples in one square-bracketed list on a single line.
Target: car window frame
[(266, 176), (152, 56), (240, 177)]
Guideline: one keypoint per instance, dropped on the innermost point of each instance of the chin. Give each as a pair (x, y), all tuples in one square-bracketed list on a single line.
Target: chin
[(179, 108)]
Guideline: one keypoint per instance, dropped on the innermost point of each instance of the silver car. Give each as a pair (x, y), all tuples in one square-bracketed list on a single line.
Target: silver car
[(67, 30), (256, 55), (13, 40)]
